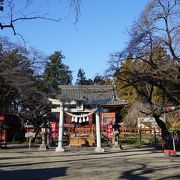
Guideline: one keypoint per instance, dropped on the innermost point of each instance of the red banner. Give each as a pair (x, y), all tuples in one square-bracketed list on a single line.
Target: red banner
[(54, 130), (2, 118)]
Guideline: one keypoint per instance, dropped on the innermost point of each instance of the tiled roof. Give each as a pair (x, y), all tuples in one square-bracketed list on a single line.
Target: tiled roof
[(90, 94)]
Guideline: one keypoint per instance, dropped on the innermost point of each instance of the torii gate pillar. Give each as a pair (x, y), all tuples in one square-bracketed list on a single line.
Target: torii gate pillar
[(61, 124), (98, 133), (60, 110)]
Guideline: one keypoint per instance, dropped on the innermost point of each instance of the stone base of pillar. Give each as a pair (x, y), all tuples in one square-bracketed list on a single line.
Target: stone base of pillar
[(42, 147), (48, 146), (99, 149), (116, 146), (59, 149)]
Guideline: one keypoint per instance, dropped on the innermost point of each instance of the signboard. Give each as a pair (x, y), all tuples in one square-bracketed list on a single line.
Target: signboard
[(30, 135), (108, 118)]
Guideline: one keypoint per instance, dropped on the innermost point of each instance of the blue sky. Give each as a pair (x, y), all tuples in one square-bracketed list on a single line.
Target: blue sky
[(100, 31)]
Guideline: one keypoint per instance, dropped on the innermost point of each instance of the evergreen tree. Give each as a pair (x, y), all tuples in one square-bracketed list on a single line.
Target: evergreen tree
[(126, 91), (56, 73), (81, 78)]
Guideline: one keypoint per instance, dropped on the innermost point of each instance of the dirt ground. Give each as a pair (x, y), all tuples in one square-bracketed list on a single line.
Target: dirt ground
[(18, 162)]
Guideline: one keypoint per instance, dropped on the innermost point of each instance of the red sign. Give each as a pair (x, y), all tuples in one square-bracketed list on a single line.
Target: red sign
[(2, 118), (54, 130), (110, 131)]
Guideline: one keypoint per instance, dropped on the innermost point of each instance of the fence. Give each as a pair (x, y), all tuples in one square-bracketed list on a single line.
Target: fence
[(140, 135), (123, 130)]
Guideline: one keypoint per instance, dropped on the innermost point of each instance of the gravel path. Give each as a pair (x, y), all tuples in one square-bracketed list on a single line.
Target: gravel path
[(18, 163)]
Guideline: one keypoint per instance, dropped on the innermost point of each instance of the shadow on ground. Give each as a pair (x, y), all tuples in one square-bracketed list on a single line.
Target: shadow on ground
[(32, 174), (143, 172)]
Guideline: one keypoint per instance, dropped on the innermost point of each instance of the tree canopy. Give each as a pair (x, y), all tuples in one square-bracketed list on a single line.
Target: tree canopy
[(24, 90), (56, 73), (81, 78), (153, 70)]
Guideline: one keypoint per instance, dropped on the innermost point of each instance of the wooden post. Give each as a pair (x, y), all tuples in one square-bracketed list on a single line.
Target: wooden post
[(174, 146), (155, 139), (140, 135)]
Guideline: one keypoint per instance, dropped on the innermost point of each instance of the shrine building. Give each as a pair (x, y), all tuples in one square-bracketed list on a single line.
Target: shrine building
[(85, 112)]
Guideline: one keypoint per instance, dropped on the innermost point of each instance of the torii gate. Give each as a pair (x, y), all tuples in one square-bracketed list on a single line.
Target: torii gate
[(60, 109)]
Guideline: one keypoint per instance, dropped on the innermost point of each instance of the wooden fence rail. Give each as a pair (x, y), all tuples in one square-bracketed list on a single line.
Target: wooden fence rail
[(125, 130)]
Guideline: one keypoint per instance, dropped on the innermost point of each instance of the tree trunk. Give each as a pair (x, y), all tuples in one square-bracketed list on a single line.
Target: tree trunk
[(165, 134)]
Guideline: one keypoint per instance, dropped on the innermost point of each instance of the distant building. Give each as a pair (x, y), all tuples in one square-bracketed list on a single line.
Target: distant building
[(147, 122)]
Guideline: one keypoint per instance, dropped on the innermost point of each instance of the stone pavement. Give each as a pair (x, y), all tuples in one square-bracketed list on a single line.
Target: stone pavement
[(20, 163)]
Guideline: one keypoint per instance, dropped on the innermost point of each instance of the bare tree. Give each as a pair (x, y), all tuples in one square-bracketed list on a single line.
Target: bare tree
[(154, 48), (11, 13), (19, 92), (135, 111)]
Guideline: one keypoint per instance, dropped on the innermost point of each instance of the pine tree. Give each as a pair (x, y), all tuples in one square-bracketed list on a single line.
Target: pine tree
[(56, 73), (81, 78)]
